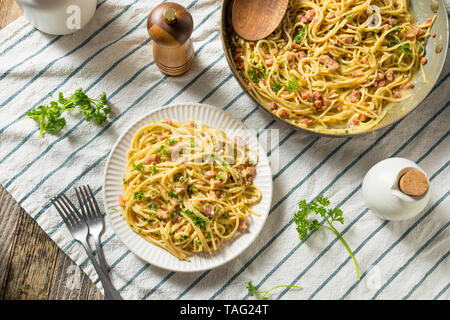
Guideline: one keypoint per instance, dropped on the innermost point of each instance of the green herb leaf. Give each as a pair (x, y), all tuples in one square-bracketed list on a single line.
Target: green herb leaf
[(320, 207)]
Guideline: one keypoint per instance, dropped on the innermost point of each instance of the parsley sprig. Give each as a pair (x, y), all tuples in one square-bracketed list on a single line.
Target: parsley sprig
[(253, 291), (50, 117), (321, 208)]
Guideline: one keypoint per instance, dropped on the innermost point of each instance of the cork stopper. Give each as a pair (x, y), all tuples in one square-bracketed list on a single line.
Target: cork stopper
[(413, 183)]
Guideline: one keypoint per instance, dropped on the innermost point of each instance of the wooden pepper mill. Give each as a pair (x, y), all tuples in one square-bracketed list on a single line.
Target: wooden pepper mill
[(170, 26)]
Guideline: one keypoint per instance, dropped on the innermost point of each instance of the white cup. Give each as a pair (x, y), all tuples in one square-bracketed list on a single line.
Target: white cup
[(58, 17)]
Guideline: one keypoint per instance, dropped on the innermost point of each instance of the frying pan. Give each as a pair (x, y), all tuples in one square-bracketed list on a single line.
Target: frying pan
[(422, 10)]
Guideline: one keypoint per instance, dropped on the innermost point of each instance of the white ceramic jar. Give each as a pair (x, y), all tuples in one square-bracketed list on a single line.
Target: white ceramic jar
[(383, 194), (58, 17)]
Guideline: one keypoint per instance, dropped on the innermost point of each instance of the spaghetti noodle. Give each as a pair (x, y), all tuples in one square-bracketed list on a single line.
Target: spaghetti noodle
[(188, 187), (334, 66)]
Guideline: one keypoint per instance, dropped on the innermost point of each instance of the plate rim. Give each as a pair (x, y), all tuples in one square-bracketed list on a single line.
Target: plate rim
[(136, 252)]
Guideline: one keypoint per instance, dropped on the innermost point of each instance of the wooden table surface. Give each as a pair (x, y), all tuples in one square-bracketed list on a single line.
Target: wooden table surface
[(31, 265)]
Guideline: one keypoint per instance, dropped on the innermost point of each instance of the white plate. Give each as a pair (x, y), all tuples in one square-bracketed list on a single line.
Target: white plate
[(115, 168)]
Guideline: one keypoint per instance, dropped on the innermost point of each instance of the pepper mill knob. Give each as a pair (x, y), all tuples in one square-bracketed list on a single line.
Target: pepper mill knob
[(170, 26)]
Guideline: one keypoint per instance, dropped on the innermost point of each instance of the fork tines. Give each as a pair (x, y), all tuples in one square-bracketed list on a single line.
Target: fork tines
[(88, 204), (66, 210)]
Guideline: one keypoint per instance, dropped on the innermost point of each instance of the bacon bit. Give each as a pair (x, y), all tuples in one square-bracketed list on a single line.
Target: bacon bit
[(316, 96), (270, 62), (238, 56), (296, 45), (354, 122), (381, 83), (212, 194), (264, 81), (171, 208), (242, 225), (330, 63), (331, 15), (318, 103), (424, 60), (201, 183), (209, 210), (174, 202), (306, 121), (290, 57), (391, 21), (418, 31), (155, 224), (355, 96), (408, 85), (305, 95), (210, 174), (363, 117), (163, 214), (276, 52), (216, 183), (357, 73), (397, 94), (272, 106), (176, 219), (282, 113), (168, 121), (390, 76), (311, 14), (327, 101), (428, 21), (240, 66), (434, 35), (121, 202), (339, 109), (250, 171), (303, 19), (347, 40), (301, 55), (181, 189), (380, 76)]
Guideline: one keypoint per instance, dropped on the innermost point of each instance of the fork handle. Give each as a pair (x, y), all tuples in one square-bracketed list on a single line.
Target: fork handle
[(110, 292)]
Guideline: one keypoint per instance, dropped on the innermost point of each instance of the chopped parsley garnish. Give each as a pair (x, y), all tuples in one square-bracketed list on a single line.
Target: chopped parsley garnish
[(277, 86), (138, 195), (292, 84), (173, 194), (405, 49), (300, 36), (199, 221), (139, 167), (153, 169), (256, 75)]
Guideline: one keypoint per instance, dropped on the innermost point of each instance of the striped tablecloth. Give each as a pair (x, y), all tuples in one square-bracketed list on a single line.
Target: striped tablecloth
[(112, 53)]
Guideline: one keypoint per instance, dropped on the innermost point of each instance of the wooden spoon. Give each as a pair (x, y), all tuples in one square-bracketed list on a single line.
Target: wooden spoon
[(256, 19)]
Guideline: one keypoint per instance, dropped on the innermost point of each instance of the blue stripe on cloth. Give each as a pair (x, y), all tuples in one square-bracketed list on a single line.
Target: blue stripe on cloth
[(88, 89), (196, 281), (393, 155), (427, 274), (296, 280), (14, 95), (323, 284), (220, 290), (26, 36), (442, 291), (403, 267), (107, 127), (363, 275)]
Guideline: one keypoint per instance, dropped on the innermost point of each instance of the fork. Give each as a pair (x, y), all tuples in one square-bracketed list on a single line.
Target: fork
[(80, 231), (94, 219)]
